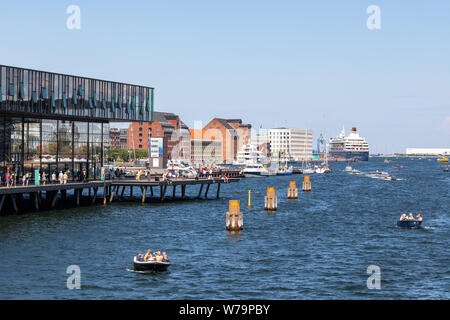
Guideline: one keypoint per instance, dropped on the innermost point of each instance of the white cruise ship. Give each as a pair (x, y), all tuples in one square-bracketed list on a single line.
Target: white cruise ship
[(349, 147)]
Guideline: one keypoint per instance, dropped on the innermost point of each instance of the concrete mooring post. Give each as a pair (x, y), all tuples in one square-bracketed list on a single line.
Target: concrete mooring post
[(306, 184), (235, 218), (292, 191), (270, 200)]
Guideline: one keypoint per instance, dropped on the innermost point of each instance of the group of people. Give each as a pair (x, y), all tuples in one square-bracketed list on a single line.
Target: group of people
[(404, 217), (12, 179), (149, 256)]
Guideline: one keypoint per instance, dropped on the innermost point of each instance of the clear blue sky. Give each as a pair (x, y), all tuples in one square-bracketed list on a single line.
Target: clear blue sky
[(271, 63)]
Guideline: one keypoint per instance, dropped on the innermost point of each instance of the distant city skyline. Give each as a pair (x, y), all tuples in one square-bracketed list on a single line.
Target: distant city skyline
[(269, 63)]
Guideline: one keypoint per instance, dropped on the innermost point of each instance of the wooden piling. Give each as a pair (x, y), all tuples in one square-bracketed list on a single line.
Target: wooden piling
[(235, 218), (292, 191), (306, 184), (270, 200)]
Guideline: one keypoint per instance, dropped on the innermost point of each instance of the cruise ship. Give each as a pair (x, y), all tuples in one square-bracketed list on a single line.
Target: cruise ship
[(350, 147)]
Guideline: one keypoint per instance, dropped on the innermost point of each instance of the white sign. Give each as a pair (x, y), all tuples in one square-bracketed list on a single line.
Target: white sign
[(156, 147)]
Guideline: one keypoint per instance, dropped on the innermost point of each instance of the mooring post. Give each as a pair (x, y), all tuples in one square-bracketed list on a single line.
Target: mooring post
[(292, 191), (123, 190), (235, 218), (151, 191), (270, 200), (306, 184), (174, 190), (131, 192)]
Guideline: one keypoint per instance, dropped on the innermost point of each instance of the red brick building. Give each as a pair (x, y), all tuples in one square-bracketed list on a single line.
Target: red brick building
[(172, 135), (137, 135)]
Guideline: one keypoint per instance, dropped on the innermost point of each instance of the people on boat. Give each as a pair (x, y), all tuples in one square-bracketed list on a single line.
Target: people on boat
[(419, 217), (148, 255), (158, 256), (411, 217), (139, 257), (165, 257), (403, 217)]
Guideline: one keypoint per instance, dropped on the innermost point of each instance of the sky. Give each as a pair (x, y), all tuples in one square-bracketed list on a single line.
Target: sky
[(299, 64)]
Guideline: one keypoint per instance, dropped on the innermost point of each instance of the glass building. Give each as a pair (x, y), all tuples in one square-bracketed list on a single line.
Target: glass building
[(53, 121)]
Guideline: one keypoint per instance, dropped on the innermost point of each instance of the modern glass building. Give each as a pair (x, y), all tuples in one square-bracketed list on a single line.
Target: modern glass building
[(59, 122)]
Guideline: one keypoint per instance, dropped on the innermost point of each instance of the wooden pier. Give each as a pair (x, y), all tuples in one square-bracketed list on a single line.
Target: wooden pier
[(46, 197)]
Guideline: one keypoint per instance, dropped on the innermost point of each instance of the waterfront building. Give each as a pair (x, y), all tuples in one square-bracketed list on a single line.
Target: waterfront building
[(114, 138), (123, 138), (54, 121), (291, 144), (231, 133), (428, 151), (204, 151), (138, 135), (170, 139)]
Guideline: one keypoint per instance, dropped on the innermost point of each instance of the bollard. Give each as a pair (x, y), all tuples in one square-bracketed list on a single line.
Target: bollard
[(235, 218), (292, 191), (270, 200), (306, 184), (249, 198)]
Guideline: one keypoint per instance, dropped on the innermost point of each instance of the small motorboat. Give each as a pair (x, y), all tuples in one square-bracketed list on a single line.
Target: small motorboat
[(443, 159), (354, 171), (348, 168), (409, 223), (150, 265)]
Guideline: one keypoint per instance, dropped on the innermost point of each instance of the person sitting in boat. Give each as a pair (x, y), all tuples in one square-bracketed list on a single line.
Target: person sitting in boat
[(403, 217), (158, 256), (165, 258), (411, 217), (419, 217), (139, 257), (148, 255)]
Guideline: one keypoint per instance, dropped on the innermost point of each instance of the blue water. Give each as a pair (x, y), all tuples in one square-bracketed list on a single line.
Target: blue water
[(316, 247)]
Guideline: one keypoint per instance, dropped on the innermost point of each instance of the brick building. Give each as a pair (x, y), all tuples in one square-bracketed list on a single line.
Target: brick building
[(170, 139), (232, 134), (137, 135)]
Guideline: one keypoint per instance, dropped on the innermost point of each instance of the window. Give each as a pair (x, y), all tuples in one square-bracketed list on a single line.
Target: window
[(140, 146)]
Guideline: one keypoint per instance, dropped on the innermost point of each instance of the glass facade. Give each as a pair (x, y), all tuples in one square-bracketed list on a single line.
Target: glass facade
[(53, 94), (58, 122), (53, 145)]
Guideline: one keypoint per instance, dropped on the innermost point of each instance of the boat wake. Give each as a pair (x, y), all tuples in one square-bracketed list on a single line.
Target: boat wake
[(141, 272)]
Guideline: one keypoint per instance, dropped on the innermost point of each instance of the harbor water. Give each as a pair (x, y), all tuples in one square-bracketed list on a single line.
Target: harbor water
[(316, 247)]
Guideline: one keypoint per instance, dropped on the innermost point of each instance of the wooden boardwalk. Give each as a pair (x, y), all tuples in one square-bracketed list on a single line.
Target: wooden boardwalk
[(45, 197)]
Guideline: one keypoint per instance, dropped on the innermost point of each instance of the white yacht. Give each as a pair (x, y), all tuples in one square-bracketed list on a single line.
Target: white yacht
[(255, 170), (249, 155)]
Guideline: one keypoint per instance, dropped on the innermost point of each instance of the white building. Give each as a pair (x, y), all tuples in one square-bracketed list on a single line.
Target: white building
[(428, 151), (293, 144)]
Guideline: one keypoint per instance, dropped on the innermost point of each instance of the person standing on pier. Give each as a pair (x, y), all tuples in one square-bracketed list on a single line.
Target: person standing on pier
[(8, 179), (60, 177), (65, 177), (53, 177)]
